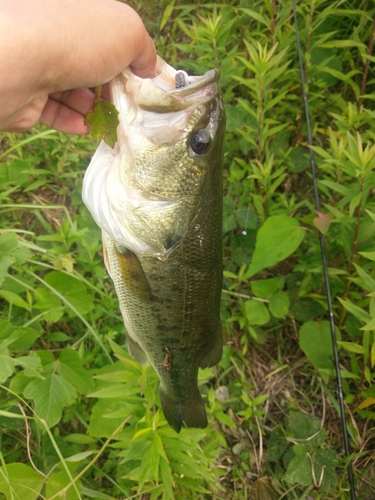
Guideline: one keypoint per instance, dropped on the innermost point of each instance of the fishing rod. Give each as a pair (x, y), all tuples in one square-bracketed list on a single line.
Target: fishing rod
[(340, 394)]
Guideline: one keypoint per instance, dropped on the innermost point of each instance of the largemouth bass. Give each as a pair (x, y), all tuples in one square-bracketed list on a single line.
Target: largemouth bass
[(158, 198)]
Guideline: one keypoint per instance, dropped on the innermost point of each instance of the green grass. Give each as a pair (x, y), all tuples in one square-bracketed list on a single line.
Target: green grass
[(78, 417)]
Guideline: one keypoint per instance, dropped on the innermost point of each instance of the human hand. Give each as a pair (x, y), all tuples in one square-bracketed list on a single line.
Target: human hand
[(54, 52)]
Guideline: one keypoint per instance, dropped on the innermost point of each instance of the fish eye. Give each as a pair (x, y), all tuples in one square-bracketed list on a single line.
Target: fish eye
[(200, 142)]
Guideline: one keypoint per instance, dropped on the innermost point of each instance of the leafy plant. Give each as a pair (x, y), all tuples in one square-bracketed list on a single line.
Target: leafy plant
[(78, 417)]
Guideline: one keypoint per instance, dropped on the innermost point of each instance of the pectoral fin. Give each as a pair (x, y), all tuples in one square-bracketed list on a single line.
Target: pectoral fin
[(162, 225), (133, 275)]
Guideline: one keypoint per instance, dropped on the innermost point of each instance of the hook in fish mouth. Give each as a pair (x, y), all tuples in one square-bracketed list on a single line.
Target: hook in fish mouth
[(180, 80)]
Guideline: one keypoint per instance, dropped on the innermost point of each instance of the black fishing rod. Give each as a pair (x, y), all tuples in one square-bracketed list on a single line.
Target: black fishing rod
[(340, 394)]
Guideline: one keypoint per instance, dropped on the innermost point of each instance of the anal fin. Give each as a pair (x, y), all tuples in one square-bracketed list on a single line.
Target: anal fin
[(136, 351)]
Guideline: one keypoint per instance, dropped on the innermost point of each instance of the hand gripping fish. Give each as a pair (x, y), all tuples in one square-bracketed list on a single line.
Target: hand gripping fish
[(157, 196)]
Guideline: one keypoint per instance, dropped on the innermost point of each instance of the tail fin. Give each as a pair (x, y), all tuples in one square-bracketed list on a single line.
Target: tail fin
[(183, 413)]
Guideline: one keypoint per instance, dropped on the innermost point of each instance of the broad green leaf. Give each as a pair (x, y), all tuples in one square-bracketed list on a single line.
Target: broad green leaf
[(8, 246), (265, 288), (104, 427), (278, 238), (7, 364), (14, 299), (246, 218), (8, 243), (21, 255), (299, 468), (256, 312), (59, 485), (71, 369), (305, 427), (20, 482), (229, 223), (16, 172), (242, 246), (324, 462), (50, 396), (46, 300), (103, 122), (18, 382), (5, 262), (277, 445), (47, 358), (31, 364), (73, 290), (315, 341), (15, 337), (279, 304)]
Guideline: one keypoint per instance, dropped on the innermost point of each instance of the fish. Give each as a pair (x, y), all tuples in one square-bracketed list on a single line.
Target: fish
[(157, 196)]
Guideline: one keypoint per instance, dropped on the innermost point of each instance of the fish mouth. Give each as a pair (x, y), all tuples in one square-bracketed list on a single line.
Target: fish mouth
[(171, 90), (179, 83)]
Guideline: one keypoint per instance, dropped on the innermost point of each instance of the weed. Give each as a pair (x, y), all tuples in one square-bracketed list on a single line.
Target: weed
[(78, 416)]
